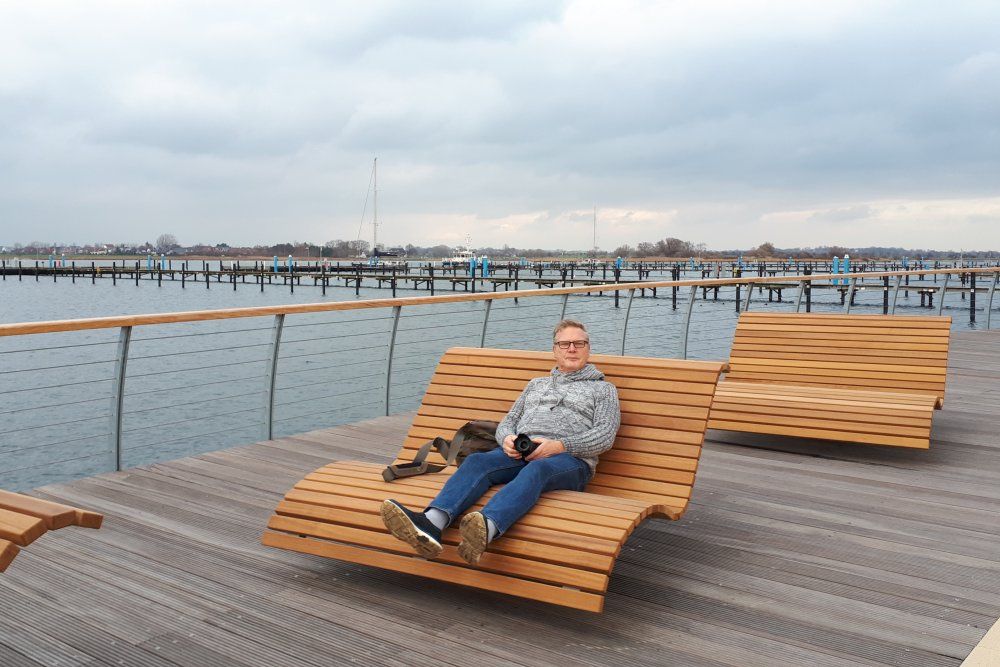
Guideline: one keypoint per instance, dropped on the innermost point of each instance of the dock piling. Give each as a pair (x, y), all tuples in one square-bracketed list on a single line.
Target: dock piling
[(972, 297)]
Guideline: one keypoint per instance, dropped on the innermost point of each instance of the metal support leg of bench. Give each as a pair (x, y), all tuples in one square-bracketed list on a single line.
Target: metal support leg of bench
[(565, 301), (850, 296), (271, 375), (486, 320), (628, 309), (989, 298), (895, 294), (687, 322), (746, 302), (388, 361), (944, 286), (798, 296), (118, 397)]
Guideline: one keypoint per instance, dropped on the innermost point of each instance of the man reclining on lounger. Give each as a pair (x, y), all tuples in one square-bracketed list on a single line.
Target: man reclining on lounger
[(572, 414)]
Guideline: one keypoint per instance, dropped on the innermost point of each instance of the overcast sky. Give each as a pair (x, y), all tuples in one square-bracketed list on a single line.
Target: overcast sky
[(725, 123)]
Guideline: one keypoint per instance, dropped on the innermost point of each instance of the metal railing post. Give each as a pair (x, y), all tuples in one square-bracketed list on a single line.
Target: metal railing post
[(944, 287), (392, 347), (118, 397), (850, 295), (486, 319), (628, 309), (895, 294), (565, 301), (687, 322), (271, 376), (798, 297), (989, 298)]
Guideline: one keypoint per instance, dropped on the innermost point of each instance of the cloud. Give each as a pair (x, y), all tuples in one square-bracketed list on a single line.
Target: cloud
[(727, 123)]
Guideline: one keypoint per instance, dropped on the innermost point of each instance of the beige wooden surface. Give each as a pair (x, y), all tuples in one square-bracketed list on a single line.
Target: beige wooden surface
[(987, 651)]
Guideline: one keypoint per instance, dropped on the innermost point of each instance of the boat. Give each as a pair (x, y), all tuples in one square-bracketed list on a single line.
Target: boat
[(376, 256), (462, 256)]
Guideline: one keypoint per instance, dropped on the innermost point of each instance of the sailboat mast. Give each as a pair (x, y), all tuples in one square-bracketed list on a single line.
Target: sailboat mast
[(595, 226), (375, 208)]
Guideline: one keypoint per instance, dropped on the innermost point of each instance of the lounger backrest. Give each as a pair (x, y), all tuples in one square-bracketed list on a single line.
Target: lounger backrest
[(665, 405), (872, 352)]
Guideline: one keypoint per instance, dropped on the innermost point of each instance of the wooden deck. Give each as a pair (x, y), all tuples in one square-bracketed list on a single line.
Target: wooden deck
[(792, 553)]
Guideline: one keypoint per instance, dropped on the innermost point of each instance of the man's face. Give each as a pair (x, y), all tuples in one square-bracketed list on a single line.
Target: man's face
[(575, 356)]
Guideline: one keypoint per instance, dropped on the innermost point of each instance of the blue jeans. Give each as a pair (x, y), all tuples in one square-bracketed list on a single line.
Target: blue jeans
[(525, 482)]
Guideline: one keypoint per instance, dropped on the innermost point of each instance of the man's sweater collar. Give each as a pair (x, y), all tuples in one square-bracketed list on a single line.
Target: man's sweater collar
[(588, 372)]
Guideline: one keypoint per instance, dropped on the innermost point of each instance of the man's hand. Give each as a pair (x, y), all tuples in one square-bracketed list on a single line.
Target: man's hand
[(508, 447), (546, 448)]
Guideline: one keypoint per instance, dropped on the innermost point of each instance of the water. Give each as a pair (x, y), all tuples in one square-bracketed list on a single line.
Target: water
[(197, 387)]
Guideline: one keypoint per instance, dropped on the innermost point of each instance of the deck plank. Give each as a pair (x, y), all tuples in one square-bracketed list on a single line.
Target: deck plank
[(792, 552)]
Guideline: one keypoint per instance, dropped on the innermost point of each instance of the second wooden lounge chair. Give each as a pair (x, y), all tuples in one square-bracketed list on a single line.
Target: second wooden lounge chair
[(23, 519), (872, 379), (561, 552)]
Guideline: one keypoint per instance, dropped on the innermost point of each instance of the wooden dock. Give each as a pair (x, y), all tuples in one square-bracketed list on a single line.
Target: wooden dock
[(792, 553)]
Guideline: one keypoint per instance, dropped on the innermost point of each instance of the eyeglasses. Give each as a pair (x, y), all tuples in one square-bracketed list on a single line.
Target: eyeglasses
[(577, 344)]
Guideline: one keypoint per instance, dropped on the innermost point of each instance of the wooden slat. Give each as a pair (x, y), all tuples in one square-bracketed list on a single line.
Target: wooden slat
[(8, 552), (440, 394), (821, 413), (571, 534), (430, 488), (569, 522), (383, 541), (21, 529), (331, 508), (820, 394), (812, 350), (448, 425), (578, 501), (818, 364), (831, 343), (921, 321), (434, 570), (843, 382), (915, 428), (821, 434), (54, 515)]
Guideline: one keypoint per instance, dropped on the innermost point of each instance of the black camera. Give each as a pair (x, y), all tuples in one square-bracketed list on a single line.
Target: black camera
[(524, 445)]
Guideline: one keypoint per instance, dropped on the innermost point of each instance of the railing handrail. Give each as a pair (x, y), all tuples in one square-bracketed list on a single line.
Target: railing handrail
[(54, 326)]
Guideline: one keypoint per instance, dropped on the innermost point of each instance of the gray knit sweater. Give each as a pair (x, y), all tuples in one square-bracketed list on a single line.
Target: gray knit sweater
[(579, 408)]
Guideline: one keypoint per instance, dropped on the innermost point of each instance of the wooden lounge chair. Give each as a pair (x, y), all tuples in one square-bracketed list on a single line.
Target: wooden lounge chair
[(23, 519), (873, 379), (561, 552)]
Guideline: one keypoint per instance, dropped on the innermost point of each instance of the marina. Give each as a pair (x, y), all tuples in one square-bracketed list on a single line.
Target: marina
[(475, 276)]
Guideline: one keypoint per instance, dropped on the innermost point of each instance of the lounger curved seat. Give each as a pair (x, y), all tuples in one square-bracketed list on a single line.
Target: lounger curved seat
[(564, 549), (23, 519), (871, 379)]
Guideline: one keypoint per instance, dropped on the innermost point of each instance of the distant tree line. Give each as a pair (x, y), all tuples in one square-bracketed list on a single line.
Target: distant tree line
[(676, 248), (668, 248)]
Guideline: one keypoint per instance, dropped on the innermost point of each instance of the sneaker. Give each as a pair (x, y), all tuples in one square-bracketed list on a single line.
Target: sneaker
[(413, 528), (474, 537)]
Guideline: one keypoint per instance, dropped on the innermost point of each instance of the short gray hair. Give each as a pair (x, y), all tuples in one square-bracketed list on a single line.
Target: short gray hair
[(569, 324)]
